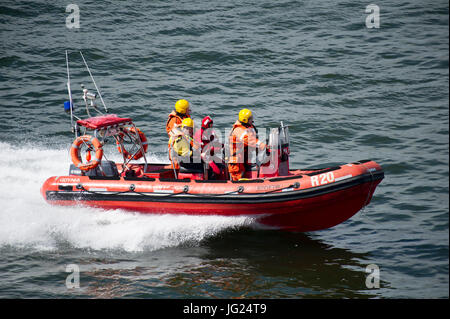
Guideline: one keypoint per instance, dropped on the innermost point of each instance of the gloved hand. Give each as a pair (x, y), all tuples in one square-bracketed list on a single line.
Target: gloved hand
[(214, 167), (262, 146)]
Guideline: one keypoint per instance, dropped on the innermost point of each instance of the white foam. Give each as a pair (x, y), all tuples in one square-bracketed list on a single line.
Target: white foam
[(26, 220)]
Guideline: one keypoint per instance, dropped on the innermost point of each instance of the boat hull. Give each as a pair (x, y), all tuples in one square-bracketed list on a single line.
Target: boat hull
[(308, 200)]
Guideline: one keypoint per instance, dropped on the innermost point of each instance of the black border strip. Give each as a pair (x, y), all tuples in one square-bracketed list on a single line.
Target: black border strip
[(144, 179), (65, 187), (248, 181), (110, 178), (211, 181), (159, 171), (174, 180), (324, 171), (278, 179)]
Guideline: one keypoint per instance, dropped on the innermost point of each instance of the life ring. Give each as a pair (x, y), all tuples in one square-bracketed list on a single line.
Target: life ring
[(75, 152), (142, 137)]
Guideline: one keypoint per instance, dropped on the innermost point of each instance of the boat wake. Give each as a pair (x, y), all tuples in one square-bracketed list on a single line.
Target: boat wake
[(27, 221)]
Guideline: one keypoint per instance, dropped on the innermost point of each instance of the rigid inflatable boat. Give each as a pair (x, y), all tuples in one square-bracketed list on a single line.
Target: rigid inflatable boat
[(271, 194), (305, 200)]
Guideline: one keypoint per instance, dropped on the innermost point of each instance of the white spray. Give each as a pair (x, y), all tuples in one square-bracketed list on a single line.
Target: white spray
[(27, 221)]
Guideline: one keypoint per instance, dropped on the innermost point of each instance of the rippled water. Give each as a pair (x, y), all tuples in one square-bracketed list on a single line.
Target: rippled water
[(347, 92)]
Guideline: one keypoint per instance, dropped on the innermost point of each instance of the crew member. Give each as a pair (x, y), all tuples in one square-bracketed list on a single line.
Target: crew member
[(242, 137), (181, 112), (210, 145), (181, 143)]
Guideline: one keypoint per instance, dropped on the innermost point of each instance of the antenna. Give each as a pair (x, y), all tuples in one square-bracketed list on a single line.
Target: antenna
[(96, 87), (68, 89)]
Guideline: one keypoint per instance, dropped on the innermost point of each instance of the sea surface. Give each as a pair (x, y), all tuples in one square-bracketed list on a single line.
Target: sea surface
[(347, 92)]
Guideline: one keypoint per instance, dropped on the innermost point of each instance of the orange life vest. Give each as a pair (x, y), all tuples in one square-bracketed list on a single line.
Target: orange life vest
[(241, 138), (174, 119)]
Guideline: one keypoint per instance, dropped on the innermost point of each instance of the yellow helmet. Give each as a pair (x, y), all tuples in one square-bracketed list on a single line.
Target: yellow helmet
[(245, 115), (187, 122), (182, 106)]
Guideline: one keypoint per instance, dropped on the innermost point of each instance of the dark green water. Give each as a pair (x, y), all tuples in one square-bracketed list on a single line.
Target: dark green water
[(347, 92)]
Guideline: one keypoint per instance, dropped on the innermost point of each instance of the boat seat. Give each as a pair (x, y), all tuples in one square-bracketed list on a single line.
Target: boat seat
[(251, 167), (191, 168), (106, 168)]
